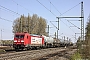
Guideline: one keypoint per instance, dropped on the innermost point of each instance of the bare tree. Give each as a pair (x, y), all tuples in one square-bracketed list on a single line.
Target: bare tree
[(31, 24)]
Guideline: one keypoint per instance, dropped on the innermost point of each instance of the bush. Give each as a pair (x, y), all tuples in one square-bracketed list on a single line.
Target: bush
[(76, 56), (2, 51)]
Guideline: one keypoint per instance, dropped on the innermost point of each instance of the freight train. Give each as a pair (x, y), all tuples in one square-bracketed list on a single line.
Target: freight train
[(29, 41)]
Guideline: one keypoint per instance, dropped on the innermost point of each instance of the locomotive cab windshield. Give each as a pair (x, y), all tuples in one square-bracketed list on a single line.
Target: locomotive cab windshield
[(19, 36)]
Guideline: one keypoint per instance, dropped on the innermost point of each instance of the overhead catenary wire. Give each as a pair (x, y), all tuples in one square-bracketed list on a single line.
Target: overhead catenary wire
[(53, 25), (6, 29), (54, 7), (68, 26), (17, 13), (59, 12), (6, 19), (46, 8), (70, 9), (73, 24), (65, 11), (10, 10), (22, 6)]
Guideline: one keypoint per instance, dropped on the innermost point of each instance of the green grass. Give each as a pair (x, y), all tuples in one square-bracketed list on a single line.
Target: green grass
[(76, 56), (2, 51)]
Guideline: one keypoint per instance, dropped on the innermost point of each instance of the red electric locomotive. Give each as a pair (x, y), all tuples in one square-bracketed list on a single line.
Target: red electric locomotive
[(27, 41)]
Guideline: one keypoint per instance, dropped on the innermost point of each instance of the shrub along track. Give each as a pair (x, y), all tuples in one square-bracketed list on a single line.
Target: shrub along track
[(33, 54)]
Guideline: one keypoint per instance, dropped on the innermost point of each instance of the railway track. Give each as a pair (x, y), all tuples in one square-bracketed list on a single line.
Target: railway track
[(61, 55), (41, 54), (53, 56), (33, 54)]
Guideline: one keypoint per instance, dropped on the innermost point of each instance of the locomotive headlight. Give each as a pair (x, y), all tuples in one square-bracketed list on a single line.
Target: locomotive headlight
[(22, 40), (15, 40)]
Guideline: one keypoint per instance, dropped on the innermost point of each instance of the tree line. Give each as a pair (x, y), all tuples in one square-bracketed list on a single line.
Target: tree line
[(31, 24)]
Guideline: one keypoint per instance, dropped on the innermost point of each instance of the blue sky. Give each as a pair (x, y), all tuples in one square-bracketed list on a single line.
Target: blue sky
[(34, 7)]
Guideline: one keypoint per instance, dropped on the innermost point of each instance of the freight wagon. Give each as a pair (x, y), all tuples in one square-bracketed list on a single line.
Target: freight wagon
[(48, 41), (51, 42)]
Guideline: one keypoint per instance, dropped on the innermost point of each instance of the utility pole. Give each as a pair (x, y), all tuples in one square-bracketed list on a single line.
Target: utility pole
[(21, 23), (28, 24), (67, 38), (64, 39), (82, 22), (48, 30), (20, 26), (58, 26), (55, 35)]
